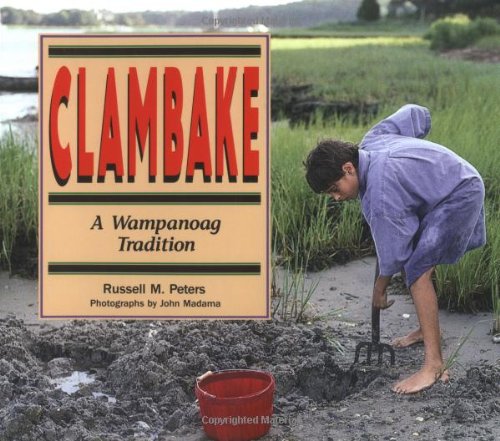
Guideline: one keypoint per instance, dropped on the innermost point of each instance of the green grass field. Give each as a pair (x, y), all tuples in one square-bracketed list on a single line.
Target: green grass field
[(391, 28), (491, 42), (464, 99)]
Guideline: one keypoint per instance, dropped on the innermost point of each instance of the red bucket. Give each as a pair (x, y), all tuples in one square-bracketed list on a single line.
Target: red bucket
[(236, 405)]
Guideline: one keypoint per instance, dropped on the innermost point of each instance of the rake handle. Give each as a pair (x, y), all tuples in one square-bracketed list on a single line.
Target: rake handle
[(376, 312)]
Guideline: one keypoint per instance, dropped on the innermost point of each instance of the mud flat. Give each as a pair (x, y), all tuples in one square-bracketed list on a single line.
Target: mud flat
[(134, 380), (474, 54)]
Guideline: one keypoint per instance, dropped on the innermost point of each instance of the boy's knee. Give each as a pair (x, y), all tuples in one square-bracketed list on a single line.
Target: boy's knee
[(424, 278)]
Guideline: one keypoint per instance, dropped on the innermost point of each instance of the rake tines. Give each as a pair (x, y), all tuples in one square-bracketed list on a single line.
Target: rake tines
[(374, 346), (377, 348)]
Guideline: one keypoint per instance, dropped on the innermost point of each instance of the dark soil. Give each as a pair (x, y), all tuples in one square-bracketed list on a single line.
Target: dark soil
[(24, 259), (144, 376), (150, 369), (474, 54), (300, 105)]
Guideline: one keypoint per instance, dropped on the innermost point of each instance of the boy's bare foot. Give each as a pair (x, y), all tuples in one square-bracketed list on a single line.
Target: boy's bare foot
[(421, 380), (412, 338), (408, 340)]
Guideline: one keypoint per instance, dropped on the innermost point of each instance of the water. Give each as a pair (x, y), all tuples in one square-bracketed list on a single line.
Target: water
[(19, 58), (14, 105), (73, 383), (19, 48)]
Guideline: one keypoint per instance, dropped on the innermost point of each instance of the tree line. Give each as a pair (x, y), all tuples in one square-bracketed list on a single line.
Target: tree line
[(299, 14), (369, 10)]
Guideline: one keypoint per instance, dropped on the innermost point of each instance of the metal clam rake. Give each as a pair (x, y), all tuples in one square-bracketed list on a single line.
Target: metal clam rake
[(374, 346)]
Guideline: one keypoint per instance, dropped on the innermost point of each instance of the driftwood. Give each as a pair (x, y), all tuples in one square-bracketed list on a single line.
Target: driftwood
[(307, 110), (299, 105), (18, 84)]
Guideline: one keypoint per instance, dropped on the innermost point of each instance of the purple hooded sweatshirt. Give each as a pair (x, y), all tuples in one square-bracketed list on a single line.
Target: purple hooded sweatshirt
[(424, 203)]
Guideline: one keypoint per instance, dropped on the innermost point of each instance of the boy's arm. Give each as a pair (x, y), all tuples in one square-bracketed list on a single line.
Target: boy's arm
[(393, 237), (410, 120)]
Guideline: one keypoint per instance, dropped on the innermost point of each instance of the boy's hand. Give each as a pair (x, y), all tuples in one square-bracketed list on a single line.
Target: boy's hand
[(380, 299)]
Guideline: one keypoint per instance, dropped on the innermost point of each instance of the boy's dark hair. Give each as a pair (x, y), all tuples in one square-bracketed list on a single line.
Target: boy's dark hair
[(324, 163)]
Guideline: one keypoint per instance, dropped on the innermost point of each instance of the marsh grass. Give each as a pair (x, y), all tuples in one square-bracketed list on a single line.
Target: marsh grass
[(494, 273), (348, 232), (463, 286), (495, 299), (470, 284), (452, 359), (464, 99), (292, 299), (18, 195), (304, 224), (491, 42), (390, 72)]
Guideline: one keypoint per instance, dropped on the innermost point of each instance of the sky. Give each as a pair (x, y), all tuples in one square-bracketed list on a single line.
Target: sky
[(45, 6)]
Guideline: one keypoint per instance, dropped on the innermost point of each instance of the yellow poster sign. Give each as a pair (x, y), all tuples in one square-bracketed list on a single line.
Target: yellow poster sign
[(154, 176)]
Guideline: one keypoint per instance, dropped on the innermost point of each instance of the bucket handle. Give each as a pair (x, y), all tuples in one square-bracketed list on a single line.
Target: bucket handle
[(206, 374), (201, 377)]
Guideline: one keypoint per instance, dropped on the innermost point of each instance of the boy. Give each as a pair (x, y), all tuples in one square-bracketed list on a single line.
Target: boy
[(424, 205)]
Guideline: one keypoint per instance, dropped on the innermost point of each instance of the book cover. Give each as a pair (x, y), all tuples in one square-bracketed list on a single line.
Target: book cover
[(154, 176)]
